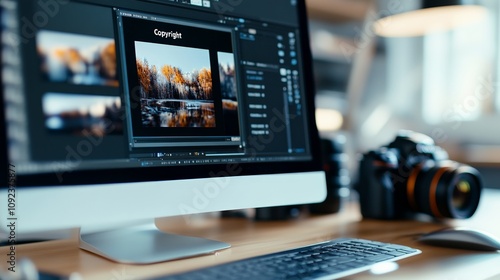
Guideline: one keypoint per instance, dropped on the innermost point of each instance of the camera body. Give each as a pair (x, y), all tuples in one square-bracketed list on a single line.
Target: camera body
[(412, 175)]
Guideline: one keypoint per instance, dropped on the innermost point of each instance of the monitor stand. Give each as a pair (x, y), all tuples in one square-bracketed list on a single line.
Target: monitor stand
[(140, 245)]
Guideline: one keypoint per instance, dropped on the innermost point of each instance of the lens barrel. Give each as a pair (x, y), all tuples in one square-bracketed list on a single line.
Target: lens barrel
[(444, 190)]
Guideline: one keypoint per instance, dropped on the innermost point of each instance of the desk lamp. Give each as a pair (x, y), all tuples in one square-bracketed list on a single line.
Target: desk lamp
[(435, 16)]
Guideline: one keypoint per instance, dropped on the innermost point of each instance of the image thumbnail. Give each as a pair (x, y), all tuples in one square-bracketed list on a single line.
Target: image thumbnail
[(176, 86), (229, 91), (77, 59), (82, 115)]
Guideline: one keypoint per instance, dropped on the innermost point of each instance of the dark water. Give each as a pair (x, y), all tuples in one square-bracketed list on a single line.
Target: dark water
[(177, 113)]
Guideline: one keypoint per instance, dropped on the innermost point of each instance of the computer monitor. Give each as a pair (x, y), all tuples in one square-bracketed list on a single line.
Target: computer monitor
[(121, 111)]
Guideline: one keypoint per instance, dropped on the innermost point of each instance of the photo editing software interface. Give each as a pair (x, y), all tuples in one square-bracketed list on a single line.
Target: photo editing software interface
[(116, 84)]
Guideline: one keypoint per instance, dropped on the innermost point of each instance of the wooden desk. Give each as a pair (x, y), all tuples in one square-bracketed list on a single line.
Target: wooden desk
[(250, 238)]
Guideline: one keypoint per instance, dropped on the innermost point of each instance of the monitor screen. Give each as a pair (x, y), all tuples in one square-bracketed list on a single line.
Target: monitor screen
[(143, 100)]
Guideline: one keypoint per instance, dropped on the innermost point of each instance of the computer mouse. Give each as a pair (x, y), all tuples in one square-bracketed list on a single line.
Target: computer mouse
[(462, 238)]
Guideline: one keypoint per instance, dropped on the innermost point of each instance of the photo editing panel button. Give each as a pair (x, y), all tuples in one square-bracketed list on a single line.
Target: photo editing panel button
[(196, 2)]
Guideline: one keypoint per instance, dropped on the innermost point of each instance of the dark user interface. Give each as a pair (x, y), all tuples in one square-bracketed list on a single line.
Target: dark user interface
[(138, 83)]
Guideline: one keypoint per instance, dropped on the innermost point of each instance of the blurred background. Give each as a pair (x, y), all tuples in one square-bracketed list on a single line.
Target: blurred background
[(428, 66)]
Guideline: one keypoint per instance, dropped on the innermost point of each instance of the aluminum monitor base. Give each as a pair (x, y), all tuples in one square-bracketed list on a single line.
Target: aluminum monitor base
[(145, 246)]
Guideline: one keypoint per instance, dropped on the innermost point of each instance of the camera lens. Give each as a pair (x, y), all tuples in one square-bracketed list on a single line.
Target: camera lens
[(447, 189), (461, 195)]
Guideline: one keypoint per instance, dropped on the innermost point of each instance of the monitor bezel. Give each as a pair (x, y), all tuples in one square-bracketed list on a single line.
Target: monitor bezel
[(149, 174)]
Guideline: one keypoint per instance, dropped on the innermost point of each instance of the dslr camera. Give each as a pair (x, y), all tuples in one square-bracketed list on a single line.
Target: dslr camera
[(412, 175)]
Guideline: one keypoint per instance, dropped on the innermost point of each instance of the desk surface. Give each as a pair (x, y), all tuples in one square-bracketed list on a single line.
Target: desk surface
[(250, 238)]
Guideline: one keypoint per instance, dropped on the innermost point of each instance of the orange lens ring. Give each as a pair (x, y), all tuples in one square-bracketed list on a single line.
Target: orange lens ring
[(433, 192), (410, 187)]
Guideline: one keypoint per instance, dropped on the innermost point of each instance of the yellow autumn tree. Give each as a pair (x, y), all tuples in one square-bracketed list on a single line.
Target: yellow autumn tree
[(178, 77), (205, 81), (168, 72), (143, 72)]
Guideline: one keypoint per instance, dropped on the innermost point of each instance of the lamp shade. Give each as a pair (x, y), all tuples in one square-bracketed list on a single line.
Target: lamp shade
[(428, 20)]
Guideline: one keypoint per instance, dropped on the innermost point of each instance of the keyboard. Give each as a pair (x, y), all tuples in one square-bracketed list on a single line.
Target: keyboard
[(326, 260)]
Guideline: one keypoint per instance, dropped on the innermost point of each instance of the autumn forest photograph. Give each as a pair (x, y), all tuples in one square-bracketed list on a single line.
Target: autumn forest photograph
[(175, 86), (77, 59)]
